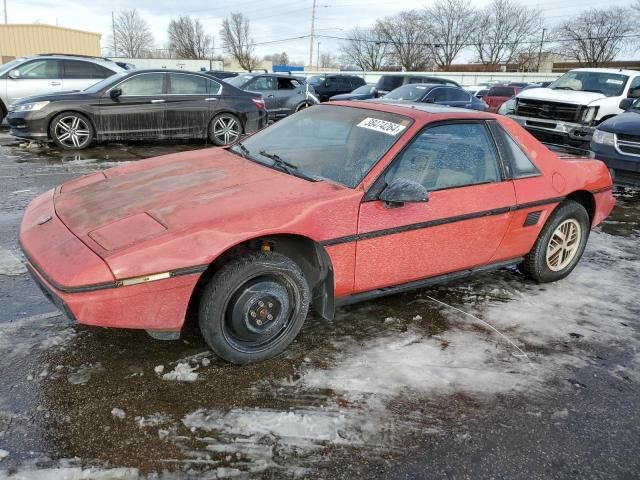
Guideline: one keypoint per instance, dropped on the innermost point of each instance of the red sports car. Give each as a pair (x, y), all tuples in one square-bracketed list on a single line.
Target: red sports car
[(339, 203)]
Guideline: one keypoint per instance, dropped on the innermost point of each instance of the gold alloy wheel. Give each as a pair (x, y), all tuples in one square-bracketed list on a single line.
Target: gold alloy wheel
[(563, 245)]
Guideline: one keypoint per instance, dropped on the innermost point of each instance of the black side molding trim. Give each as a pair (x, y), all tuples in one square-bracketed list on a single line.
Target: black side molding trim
[(427, 282), (440, 221)]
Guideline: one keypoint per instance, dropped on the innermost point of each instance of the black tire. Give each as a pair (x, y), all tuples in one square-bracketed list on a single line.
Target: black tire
[(225, 129), (304, 105), (536, 266), (71, 131), (254, 307)]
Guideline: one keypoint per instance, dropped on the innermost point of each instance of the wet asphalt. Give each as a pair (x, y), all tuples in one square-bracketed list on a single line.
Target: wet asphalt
[(81, 397)]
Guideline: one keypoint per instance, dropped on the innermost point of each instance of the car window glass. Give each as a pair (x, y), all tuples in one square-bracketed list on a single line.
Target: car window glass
[(261, 83), (446, 156), (40, 69), (182, 84), (457, 95), (439, 95), (389, 82), (517, 162), (79, 69), (287, 83), (500, 92), (634, 88), (344, 84), (143, 85)]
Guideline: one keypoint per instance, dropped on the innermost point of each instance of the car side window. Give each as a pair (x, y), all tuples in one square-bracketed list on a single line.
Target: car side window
[(457, 95), (148, 84), (81, 70), (40, 69), (344, 84), (517, 162), (634, 88), (447, 156), (261, 83), (438, 94), (287, 83), (184, 84)]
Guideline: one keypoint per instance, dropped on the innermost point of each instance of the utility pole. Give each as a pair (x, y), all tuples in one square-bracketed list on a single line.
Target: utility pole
[(113, 28), (313, 27), (540, 50), (5, 12)]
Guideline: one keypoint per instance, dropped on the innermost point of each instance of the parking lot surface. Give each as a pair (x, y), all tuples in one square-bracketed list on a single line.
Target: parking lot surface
[(495, 377)]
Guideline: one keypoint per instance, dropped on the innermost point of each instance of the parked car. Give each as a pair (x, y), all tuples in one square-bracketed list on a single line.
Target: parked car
[(386, 83), (42, 74), (141, 104), (616, 142), (283, 94), (329, 85), (521, 85), (478, 91), (508, 107), (364, 92), (340, 203), (222, 75), (499, 94), (438, 94), (571, 108)]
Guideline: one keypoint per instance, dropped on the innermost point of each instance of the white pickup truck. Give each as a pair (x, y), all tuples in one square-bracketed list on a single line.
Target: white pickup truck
[(572, 106)]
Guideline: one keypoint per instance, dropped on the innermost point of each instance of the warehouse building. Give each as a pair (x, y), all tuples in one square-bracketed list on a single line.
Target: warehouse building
[(19, 40)]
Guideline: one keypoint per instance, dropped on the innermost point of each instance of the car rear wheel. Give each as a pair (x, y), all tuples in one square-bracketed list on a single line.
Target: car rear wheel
[(254, 307), (304, 105), (225, 129), (560, 245), (71, 131)]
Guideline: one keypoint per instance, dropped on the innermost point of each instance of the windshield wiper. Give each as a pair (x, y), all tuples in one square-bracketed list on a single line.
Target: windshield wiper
[(287, 167), (563, 88)]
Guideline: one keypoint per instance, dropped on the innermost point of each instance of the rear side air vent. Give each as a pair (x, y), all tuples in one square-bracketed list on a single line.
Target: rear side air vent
[(532, 218)]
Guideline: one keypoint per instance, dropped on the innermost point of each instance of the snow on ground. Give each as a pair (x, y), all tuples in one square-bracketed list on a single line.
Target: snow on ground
[(181, 373), (10, 264), (35, 333), (75, 473)]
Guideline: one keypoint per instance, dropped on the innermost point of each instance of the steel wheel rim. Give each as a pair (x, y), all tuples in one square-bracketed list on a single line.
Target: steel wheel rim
[(72, 131), (253, 334), (226, 129), (563, 245)]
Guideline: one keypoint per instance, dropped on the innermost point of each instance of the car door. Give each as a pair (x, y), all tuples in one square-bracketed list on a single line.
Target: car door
[(460, 226), (139, 111), (81, 74), (190, 100), (37, 77), (456, 97), (266, 85), (291, 92)]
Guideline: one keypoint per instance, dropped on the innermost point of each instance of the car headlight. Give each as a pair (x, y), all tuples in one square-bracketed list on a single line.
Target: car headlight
[(603, 138), (589, 115), (29, 107)]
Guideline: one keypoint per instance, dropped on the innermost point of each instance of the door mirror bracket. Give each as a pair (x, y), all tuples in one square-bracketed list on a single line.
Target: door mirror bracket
[(402, 191)]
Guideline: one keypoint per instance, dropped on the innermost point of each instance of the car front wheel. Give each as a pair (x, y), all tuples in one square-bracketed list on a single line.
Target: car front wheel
[(254, 307), (71, 131), (560, 244)]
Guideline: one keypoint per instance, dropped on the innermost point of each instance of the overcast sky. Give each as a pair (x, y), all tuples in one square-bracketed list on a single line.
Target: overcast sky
[(270, 19)]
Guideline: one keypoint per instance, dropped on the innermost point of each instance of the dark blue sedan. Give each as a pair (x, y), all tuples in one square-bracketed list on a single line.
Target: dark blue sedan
[(439, 94), (361, 93)]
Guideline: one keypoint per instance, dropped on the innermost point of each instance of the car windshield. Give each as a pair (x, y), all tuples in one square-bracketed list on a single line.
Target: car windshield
[(609, 84), (363, 90), (102, 84), (407, 92), (238, 81), (332, 142), (5, 67), (315, 79)]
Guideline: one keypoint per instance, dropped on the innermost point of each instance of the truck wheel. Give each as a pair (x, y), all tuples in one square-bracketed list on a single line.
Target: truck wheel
[(254, 307), (560, 244), (71, 131)]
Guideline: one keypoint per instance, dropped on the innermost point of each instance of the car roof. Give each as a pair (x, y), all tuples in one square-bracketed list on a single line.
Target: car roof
[(86, 58), (606, 70), (415, 110)]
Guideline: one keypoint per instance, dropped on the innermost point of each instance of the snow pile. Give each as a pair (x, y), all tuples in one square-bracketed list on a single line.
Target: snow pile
[(118, 413), (182, 373), (83, 374), (153, 420), (76, 473), (38, 332)]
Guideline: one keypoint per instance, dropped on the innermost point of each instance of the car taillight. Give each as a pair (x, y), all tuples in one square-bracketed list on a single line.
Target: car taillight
[(259, 103)]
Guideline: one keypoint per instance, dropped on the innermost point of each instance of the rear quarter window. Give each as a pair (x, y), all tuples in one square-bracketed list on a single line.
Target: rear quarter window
[(500, 92)]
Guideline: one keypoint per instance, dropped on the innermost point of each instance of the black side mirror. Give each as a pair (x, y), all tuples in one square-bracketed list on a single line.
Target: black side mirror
[(402, 191), (115, 93), (626, 103), (429, 100)]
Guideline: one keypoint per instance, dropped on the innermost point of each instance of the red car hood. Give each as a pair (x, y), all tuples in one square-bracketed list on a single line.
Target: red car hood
[(119, 207)]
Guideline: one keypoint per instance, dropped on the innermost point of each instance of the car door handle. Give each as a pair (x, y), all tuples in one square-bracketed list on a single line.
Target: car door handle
[(54, 84), (157, 101), (212, 99)]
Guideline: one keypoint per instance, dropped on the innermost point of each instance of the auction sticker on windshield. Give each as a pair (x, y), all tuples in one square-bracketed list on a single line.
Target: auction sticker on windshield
[(381, 126)]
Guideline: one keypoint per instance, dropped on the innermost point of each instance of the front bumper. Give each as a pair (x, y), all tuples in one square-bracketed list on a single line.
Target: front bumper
[(29, 125), (572, 131), (81, 284)]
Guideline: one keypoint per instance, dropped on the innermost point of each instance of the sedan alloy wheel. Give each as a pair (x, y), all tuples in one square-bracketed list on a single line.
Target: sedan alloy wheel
[(225, 129), (72, 131)]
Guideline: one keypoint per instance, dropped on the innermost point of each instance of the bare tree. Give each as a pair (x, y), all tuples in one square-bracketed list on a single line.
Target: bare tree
[(451, 25), (365, 50), (188, 39), (278, 58), (503, 29), (133, 36), (597, 36), (327, 60), (236, 40), (408, 39)]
